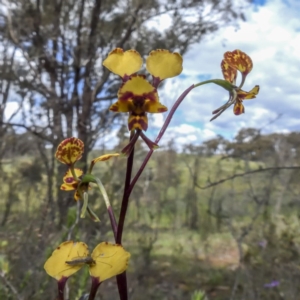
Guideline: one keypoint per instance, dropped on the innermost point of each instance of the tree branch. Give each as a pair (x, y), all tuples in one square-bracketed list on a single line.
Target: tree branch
[(247, 173)]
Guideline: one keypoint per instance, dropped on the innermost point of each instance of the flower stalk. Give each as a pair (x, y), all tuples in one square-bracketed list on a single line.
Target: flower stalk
[(138, 97)]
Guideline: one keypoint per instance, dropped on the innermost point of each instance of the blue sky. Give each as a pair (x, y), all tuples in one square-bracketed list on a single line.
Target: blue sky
[(271, 37)]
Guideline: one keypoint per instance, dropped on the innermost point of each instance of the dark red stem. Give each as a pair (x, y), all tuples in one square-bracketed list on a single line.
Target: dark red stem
[(121, 279), (124, 205), (122, 286), (94, 288), (159, 136), (61, 287)]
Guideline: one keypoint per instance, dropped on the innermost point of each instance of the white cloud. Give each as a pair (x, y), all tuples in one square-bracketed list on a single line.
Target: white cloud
[(271, 37), (10, 109), (184, 134), (157, 120)]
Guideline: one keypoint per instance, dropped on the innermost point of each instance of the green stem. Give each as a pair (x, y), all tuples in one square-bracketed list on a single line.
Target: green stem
[(73, 172), (108, 206), (103, 192), (85, 204), (221, 82)]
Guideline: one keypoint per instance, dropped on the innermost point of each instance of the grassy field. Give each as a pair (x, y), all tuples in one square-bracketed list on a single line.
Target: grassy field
[(225, 240)]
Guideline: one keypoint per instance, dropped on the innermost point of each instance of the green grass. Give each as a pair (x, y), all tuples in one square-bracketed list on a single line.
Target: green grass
[(168, 257)]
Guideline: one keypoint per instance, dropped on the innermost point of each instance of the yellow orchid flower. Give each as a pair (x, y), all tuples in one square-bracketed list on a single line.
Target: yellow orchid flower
[(70, 183), (107, 260), (137, 95)]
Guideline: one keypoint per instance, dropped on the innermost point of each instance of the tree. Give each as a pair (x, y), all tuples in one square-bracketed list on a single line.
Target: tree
[(53, 52)]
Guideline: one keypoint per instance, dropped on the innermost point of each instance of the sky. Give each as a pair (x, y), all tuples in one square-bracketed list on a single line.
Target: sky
[(271, 37)]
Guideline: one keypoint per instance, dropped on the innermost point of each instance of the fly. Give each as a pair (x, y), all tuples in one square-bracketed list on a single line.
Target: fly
[(81, 260)]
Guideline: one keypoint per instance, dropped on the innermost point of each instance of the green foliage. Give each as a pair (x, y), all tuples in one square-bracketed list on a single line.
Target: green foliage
[(179, 234), (198, 295)]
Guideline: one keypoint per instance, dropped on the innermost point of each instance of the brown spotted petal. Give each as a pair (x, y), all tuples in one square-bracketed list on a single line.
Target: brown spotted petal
[(229, 73), (238, 108), (239, 60), (70, 183), (69, 151)]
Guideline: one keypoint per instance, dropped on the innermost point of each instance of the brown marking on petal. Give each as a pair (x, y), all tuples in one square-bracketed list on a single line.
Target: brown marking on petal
[(138, 103), (69, 150), (243, 95), (229, 73), (138, 100), (74, 185), (239, 60), (114, 107), (138, 121), (238, 108), (116, 51), (69, 179), (126, 96), (163, 109), (151, 96)]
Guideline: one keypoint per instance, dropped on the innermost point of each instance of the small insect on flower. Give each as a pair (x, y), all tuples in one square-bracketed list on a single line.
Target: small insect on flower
[(81, 260), (100, 257)]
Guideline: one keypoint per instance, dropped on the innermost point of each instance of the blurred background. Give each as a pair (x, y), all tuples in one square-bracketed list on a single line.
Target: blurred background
[(215, 215)]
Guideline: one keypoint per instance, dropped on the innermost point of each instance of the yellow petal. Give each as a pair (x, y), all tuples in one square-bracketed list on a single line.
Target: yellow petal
[(68, 187), (253, 92), (123, 63), (68, 177), (243, 95), (110, 259), (56, 265), (163, 64), (69, 150), (77, 196), (134, 94), (105, 157), (114, 107), (154, 107)]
